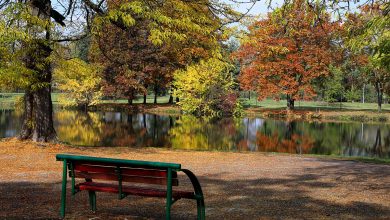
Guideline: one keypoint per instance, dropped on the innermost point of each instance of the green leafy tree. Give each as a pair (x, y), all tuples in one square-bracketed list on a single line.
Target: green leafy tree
[(369, 33), (26, 35), (80, 81), (352, 94), (334, 85)]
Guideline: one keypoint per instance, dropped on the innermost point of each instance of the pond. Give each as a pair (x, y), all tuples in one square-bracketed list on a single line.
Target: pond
[(112, 129)]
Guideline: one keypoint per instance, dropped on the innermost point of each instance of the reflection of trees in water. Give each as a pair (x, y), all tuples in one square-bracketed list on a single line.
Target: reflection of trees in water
[(112, 129), (78, 128), (10, 122), (283, 137), (190, 132), (140, 130), (366, 140)]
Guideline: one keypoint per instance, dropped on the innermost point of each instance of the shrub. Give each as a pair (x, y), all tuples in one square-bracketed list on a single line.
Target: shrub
[(207, 89)]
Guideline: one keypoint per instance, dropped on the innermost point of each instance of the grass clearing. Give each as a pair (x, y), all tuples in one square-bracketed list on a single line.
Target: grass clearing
[(313, 105)]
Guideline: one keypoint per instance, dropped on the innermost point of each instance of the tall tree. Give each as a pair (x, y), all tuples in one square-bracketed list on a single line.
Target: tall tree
[(34, 57), (369, 33), (285, 52), (135, 60)]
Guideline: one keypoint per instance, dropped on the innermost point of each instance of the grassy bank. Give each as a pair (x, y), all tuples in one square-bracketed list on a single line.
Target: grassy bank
[(310, 110), (313, 105)]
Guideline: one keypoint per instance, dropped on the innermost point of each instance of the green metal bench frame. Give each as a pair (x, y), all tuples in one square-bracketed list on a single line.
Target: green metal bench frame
[(169, 167)]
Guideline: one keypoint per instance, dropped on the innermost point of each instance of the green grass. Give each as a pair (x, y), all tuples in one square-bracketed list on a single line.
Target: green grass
[(9, 99), (313, 105), (140, 99)]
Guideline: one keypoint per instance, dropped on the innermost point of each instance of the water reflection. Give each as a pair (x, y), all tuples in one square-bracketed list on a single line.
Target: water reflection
[(187, 132), (113, 129)]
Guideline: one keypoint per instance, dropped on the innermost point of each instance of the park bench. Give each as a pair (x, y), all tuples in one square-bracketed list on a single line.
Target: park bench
[(124, 178)]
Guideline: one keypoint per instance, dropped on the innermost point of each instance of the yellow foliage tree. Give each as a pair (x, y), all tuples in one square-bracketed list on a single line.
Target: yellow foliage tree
[(79, 81), (206, 88)]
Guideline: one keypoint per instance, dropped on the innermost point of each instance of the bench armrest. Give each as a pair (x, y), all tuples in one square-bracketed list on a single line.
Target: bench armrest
[(195, 182)]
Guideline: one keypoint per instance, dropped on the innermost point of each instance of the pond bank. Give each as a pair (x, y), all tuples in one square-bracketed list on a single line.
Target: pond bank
[(321, 115), (236, 185), (298, 114)]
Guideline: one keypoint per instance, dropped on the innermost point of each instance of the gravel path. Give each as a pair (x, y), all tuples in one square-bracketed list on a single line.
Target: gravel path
[(236, 186)]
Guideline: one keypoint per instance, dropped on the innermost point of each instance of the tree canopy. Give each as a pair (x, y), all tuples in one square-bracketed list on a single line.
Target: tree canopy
[(287, 51)]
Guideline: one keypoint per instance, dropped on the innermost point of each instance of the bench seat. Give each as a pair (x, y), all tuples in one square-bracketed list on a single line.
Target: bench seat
[(133, 190)]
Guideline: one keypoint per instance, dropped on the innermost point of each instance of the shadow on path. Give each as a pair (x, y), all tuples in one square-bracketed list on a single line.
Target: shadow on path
[(343, 190)]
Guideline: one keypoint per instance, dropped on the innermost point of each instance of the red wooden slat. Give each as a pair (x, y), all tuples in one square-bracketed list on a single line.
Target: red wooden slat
[(126, 178), (139, 191), (124, 171)]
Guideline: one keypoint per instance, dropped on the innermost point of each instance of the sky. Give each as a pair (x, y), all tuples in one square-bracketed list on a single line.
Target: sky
[(260, 8)]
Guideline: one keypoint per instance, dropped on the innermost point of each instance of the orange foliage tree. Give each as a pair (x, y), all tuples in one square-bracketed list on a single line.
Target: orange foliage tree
[(286, 52)]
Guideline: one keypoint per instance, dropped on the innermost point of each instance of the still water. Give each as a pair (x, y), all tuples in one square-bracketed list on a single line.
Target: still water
[(186, 132)]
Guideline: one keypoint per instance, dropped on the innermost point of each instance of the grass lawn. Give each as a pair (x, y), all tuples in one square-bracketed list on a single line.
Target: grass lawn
[(10, 99), (313, 105)]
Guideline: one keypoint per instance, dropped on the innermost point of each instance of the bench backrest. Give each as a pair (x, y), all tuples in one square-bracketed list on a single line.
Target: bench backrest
[(92, 171), (146, 172)]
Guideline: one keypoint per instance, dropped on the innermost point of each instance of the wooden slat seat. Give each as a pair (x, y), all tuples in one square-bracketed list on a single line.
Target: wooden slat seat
[(134, 190)]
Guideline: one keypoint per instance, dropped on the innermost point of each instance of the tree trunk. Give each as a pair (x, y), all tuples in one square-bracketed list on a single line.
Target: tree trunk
[(177, 99), (290, 103), (155, 94), (364, 93), (27, 125), (379, 94), (130, 101), (38, 122), (43, 116), (170, 99), (145, 98)]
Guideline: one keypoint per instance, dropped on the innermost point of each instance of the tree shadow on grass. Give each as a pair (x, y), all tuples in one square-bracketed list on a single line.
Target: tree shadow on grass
[(227, 197)]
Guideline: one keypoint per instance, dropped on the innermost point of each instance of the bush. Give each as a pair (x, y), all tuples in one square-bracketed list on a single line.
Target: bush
[(207, 89), (79, 81)]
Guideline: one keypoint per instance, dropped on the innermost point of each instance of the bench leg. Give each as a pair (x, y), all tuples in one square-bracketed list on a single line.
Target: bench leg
[(63, 193), (92, 200), (169, 195), (201, 209)]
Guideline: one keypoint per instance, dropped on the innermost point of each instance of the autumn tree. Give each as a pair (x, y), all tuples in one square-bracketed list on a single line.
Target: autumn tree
[(79, 82), (285, 52), (26, 34), (136, 62), (207, 89)]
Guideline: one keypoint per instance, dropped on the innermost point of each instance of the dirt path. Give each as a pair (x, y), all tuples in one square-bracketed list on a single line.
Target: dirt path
[(236, 186)]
